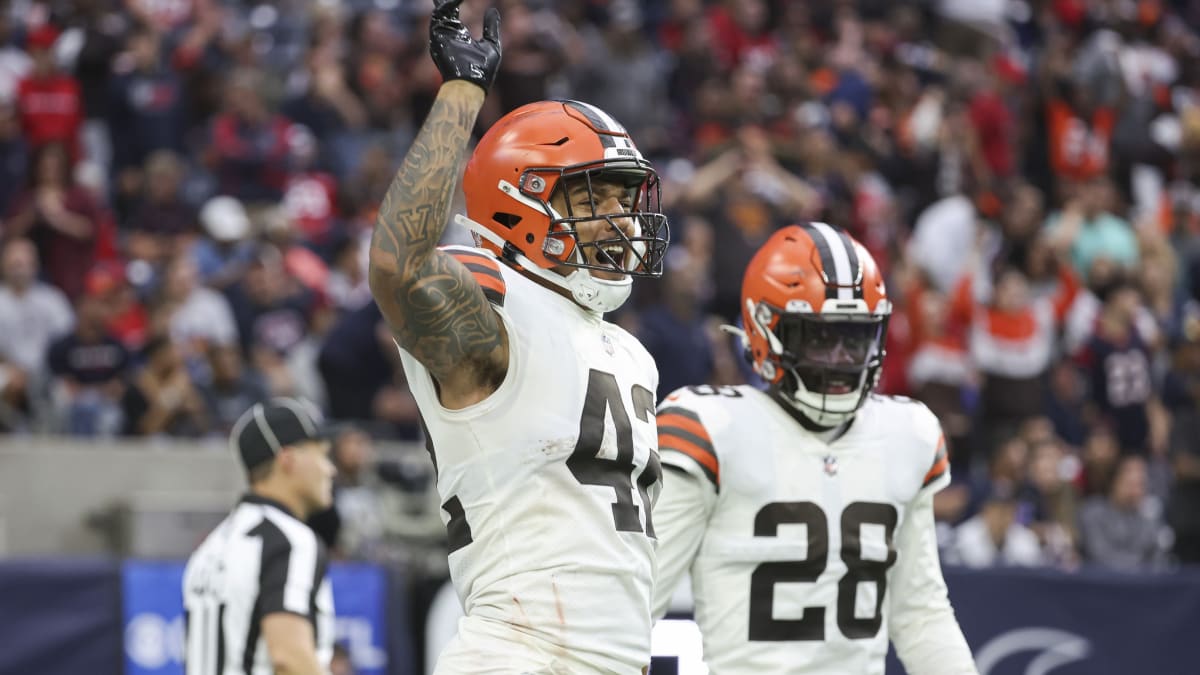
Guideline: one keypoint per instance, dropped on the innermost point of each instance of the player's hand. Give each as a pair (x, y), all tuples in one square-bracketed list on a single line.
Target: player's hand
[(458, 55)]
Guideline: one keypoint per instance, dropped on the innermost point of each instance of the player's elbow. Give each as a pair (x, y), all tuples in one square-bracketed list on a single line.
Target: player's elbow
[(290, 643), (381, 280), (285, 661), (295, 661)]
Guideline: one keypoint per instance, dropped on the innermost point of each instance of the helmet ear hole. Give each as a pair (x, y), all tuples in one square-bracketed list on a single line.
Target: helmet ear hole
[(529, 238), (508, 220)]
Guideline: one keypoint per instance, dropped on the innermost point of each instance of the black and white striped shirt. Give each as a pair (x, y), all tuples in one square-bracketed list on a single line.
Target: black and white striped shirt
[(258, 561)]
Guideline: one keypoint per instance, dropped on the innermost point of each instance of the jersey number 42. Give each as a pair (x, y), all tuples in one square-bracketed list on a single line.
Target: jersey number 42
[(603, 399)]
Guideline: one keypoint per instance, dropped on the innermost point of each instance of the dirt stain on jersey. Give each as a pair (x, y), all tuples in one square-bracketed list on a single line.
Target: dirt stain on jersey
[(557, 447), (523, 620), (562, 619)]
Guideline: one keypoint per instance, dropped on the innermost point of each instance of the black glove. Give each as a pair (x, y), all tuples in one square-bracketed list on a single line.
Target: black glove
[(458, 55)]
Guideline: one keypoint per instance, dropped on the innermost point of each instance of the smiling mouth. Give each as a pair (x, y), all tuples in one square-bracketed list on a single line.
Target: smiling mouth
[(609, 256)]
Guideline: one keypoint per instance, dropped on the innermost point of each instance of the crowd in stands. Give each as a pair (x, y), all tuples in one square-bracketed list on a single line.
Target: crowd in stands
[(187, 191)]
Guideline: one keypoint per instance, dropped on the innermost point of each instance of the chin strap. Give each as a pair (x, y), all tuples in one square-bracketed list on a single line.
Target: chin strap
[(595, 295)]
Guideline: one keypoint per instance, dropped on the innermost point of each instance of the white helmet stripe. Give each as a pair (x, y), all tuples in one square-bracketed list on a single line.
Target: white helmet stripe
[(843, 276), (603, 119)]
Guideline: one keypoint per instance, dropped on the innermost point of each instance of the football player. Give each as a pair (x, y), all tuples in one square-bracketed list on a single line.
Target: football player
[(805, 512), (539, 414)]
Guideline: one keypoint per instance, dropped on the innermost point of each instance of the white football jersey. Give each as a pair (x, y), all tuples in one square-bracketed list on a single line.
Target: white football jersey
[(805, 555), (547, 487)]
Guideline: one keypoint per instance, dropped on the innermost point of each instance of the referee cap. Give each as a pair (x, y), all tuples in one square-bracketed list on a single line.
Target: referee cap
[(266, 428)]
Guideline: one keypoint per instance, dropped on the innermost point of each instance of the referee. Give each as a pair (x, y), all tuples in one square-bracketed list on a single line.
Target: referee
[(257, 600)]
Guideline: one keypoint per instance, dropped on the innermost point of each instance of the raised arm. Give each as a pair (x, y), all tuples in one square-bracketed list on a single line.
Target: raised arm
[(436, 310)]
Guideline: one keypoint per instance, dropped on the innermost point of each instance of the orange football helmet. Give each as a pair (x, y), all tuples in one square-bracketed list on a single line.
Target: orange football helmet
[(537, 150), (815, 312)]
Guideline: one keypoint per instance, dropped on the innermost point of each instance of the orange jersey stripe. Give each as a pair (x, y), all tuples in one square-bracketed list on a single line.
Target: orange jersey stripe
[(489, 281), (669, 441), (486, 272), (689, 425), (940, 461)]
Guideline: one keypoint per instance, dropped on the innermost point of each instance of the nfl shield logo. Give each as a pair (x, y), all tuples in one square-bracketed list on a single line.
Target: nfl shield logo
[(831, 467), (608, 345)]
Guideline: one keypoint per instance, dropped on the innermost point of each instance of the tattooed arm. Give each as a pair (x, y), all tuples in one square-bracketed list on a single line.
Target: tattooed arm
[(436, 310)]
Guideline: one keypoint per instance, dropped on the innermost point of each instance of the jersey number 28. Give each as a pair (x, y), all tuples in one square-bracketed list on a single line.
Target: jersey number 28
[(811, 624), (604, 399)]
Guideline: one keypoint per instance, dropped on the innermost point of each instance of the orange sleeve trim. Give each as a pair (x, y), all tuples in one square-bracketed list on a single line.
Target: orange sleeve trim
[(489, 281), (689, 425), (940, 462), (668, 441)]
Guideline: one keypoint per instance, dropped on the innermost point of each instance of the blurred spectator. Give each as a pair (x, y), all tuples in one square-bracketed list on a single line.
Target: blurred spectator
[(346, 286), (160, 218), (165, 16), (194, 316), (272, 313), (249, 143), (1124, 530), (89, 366), (369, 183), (675, 329), (1184, 500), (356, 495), (100, 28), (162, 398), (620, 72), (374, 46), (146, 107), (1081, 319), (1101, 450), (231, 388), (1051, 475), (60, 217), (741, 32), (128, 321), (1181, 392), (748, 194), (49, 100), (994, 537), (993, 120), (310, 199), (1087, 228), (32, 316), (540, 43), (325, 104), (1012, 342), (224, 254), (15, 63), (357, 363), (928, 359), (1080, 128), (1067, 402), (1117, 363), (300, 263), (1006, 468), (14, 156), (941, 234)]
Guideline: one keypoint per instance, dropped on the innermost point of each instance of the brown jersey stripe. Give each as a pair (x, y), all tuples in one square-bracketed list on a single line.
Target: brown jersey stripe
[(687, 424), (487, 274)]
